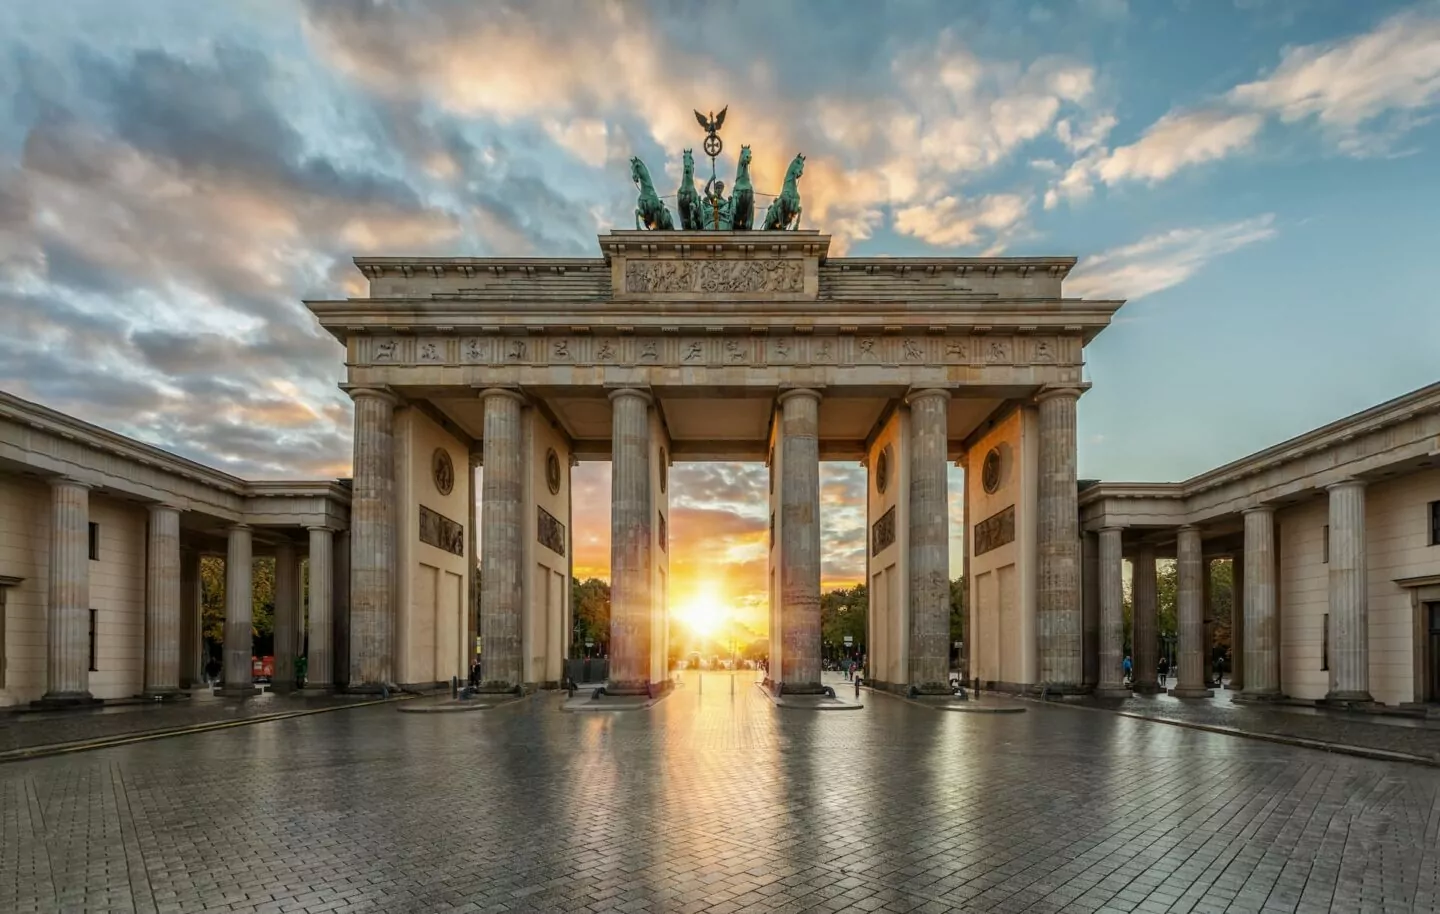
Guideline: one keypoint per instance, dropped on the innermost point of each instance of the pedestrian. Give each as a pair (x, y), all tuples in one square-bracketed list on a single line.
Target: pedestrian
[(1127, 667), (212, 671), (1164, 670), (475, 674)]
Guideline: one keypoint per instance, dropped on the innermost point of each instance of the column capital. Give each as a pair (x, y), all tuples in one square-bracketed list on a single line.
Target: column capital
[(70, 482), (506, 392), (157, 507), (787, 394), (639, 393), (1349, 482), (314, 527), (920, 393), (1188, 529), (236, 528), (378, 393), (1113, 528), (1258, 509), (1050, 393)]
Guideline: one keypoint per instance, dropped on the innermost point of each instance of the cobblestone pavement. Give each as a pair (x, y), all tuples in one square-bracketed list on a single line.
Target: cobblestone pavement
[(1370, 731), (26, 730), (718, 804)]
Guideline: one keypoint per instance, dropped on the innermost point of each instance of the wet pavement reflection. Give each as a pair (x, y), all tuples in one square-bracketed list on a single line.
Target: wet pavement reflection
[(716, 802)]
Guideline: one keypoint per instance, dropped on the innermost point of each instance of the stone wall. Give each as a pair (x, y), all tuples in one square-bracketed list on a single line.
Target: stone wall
[(1002, 554), (547, 585), (888, 567), (431, 622)]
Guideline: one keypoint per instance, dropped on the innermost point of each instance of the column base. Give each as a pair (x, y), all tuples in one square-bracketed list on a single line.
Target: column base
[(1112, 692), (165, 695), (317, 688), (61, 700), (1147, 688), (799, 688), (635, 687), (1061, 689), (1359, 699), (237, 690), (370, 688), (931, 688), (1258, 697), (1188, 692)]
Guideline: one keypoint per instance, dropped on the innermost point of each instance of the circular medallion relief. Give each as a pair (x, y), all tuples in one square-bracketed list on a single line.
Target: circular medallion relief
[(882, 470), (990, 471), (664, 470), (443, 470), (552, 471)]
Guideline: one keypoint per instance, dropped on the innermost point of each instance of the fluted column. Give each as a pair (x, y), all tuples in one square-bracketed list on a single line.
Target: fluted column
[(1237, 621), (502, 546), (631, 513), (1058, 594), (1190, 614), (340, 610), (800, 542), (372, 527), (1349, 603), (929, 540), (319, 665), (67, 671), (1112, 616), (192, 638), (162, 603), (287, 608), (1147, 634), (239, 613), (1090, 607), (1262, 623)]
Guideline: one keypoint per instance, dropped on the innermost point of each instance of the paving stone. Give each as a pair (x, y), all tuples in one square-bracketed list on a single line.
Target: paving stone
[(709, 803)]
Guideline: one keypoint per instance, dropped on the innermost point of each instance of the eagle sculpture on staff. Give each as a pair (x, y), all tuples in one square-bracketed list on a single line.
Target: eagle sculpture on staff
[(711, 126)]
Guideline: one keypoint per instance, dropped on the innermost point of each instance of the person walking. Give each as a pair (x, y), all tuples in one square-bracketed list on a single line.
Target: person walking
[(1164, 670), (1128, 668)]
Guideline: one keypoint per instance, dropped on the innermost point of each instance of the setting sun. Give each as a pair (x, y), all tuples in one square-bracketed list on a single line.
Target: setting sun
[(703, 614)]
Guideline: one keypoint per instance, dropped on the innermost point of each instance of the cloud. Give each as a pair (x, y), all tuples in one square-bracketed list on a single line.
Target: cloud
[(951, 221), (931, 115), (1365, 92), (1163, 260), (1347, 84)]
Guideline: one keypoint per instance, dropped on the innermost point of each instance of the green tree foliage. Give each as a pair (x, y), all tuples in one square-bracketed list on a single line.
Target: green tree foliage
[(212, 604), (590, 600), (1167, 586), (957, 610), (842, 612)]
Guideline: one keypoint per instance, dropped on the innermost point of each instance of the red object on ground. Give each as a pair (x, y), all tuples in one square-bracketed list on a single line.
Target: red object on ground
[(262, 666)]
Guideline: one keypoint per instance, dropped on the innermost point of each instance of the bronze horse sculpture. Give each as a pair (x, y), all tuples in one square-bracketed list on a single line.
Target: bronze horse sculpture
[(650, 213), (742, 196), (784, 211), (687, 200)]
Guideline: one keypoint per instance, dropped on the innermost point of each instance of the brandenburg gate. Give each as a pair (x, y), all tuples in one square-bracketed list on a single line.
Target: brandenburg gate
[(691, 345), (714, 341)]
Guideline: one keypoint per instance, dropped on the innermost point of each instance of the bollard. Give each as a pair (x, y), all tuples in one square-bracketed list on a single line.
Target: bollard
[(857, 687), (454, 687), (732, 685)]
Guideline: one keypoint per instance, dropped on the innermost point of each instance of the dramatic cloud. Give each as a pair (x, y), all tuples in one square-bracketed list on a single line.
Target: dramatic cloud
[(1365, 92), (1162, 260)]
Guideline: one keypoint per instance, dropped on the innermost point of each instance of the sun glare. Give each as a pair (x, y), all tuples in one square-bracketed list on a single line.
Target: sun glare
[(703, 614)]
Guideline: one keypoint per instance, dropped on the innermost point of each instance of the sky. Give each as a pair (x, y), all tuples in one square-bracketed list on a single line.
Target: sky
[(1258, 178)]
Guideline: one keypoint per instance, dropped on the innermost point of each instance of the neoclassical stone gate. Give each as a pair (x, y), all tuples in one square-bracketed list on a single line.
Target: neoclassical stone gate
[(712, 346)]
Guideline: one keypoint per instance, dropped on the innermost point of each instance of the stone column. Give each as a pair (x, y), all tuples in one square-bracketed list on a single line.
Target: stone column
[(287, 607), (1147, 635), (1112, 616), (631, 514), (372, 527), (239, 612), (1237, 621), (1190, 614), (1090, 607), (340, 610), (800, 542), (319, 665), (162, 603), (929, 539), (67, 671), (1262, 622), (1058, 594), (192, 637), (502, 546), (1349, 603)]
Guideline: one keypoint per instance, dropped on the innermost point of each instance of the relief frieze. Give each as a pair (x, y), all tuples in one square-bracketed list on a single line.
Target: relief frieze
[(995, 531), (441, 532), (717, 351), (659, 276), (549, 532)]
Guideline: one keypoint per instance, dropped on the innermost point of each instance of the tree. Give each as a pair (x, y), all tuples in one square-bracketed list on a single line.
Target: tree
[(590, 600), (957, 610), (262, 604), (843, 612)]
